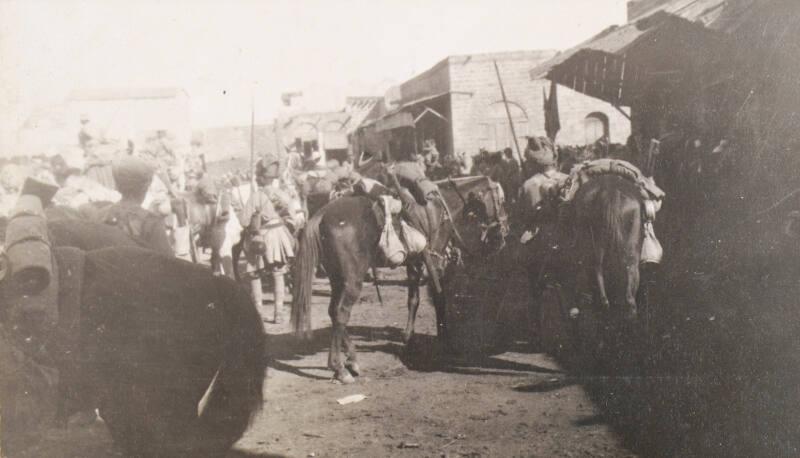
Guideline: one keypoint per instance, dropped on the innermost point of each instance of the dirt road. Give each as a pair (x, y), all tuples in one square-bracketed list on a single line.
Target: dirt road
[(419, 402)]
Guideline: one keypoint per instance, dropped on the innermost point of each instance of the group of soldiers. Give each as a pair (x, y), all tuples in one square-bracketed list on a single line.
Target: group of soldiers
[(272, 214)]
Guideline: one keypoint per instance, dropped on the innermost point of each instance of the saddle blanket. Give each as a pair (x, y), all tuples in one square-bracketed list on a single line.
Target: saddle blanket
[(584, 172)]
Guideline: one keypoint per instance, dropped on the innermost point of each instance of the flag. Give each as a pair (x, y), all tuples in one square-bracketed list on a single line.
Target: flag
[(552, 123)]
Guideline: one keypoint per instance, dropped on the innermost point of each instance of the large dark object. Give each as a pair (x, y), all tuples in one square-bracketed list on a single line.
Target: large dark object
[(172, 356)]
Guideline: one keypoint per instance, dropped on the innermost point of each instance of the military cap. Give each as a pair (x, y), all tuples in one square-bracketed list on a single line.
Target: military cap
[(541, 152), (132, 174)]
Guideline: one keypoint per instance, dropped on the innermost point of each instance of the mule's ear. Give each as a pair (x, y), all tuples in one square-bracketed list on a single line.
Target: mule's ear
[(4, 265)]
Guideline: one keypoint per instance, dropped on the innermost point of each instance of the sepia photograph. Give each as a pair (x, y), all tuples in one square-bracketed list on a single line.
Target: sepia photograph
[(399, 228)]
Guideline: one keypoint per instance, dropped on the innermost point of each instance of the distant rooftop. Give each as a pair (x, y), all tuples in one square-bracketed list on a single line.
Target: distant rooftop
[(126, 93), (536, 54)]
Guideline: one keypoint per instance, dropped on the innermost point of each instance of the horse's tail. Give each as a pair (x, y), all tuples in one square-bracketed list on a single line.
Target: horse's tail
[(612, 225), (612, 247), (235, 394), (308, 254)]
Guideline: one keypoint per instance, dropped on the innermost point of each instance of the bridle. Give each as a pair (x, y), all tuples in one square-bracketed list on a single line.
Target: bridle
[(500, 221)]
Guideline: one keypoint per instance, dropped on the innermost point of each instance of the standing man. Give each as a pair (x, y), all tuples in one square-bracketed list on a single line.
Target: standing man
[(542, 236), (269, 245), (133, 177)]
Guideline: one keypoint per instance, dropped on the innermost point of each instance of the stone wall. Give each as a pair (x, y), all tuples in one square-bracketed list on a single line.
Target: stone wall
[(479, 118)]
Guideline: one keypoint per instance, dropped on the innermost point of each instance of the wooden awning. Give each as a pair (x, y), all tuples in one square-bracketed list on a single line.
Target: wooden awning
[(607, 65)]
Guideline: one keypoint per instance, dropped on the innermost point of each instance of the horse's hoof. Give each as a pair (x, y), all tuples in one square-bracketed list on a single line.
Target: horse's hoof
[(344, 377), (353, 368)]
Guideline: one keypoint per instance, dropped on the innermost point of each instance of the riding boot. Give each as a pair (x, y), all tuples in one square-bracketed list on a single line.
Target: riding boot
[(279, 293)]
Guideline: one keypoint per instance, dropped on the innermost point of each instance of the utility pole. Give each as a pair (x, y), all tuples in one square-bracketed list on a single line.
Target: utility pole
[(508, 112), (252, 145)]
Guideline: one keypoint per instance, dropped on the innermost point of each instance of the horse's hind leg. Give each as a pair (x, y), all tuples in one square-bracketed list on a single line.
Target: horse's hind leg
[(600, 279), (344, 296), (631, 288), (439, 304), (414, 273)]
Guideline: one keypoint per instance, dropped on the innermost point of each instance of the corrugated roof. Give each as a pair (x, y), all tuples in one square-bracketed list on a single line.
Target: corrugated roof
[(714, 14), (612, 40), (609, 66), (719, 15), (125, 93)]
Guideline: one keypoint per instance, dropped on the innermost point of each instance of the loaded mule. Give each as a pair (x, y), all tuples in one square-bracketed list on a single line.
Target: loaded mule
[(348, 238), (597, 227)]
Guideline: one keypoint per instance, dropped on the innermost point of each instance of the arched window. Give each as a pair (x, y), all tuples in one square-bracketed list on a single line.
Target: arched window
[(495, 132), (333, 126), (595, 126)]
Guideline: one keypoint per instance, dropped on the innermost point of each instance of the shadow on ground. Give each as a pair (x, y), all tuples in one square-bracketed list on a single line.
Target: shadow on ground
[(425, 353)]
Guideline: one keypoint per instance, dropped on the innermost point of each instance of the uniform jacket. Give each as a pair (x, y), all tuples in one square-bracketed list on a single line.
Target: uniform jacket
[(142, 225)]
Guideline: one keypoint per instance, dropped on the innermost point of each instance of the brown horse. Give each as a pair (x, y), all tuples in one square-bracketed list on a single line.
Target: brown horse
[(609, 234), (344, 234)]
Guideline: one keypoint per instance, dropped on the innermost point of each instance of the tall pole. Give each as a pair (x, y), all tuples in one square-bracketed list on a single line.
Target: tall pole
[(508, 112), (252, 144)]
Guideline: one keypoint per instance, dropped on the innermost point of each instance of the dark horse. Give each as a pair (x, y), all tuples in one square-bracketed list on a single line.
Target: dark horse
[(170, 355), (609, 234), (344, 234)]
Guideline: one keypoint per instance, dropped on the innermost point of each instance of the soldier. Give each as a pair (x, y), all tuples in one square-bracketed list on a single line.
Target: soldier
[(133, 177), (539, 154), (542, 237), (411, 175), (269, 242)]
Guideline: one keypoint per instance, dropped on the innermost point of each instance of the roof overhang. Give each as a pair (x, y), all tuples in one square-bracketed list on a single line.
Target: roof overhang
[(607, 65), (394, 120)]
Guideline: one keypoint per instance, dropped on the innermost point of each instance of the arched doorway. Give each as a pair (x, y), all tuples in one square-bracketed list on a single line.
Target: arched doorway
[(595, 127), (495, 132)]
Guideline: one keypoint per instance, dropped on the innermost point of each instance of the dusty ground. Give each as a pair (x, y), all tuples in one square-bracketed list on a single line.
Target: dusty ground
[(420, 402)]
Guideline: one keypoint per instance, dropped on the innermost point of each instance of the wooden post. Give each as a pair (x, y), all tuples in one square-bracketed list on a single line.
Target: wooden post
[(252, 145), (508, 113)]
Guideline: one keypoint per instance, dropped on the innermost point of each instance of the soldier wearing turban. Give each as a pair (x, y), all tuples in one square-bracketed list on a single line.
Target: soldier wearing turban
[(133, 177)]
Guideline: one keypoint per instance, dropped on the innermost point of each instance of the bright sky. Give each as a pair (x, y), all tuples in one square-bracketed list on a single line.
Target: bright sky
[(218, 51)]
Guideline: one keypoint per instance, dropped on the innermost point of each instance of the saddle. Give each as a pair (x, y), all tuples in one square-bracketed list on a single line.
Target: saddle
[(586, 170)]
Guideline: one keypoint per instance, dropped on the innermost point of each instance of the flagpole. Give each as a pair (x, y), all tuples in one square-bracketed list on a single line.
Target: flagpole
[(252, 143), (508, 112)]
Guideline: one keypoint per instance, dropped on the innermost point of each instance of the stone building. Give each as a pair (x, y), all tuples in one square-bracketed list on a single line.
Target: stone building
[(458, 104)]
